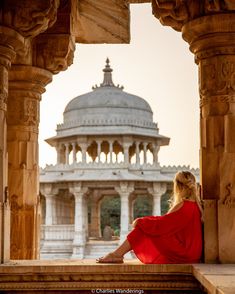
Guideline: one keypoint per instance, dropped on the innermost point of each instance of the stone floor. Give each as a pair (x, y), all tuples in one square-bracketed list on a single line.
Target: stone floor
[(85, 276), (216, 278)]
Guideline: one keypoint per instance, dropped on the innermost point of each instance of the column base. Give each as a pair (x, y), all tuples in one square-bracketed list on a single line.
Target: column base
[(5, 229), (78, 251)]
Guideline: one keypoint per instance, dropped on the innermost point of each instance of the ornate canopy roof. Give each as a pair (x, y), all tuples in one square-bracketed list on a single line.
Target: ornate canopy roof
[(107, 109)]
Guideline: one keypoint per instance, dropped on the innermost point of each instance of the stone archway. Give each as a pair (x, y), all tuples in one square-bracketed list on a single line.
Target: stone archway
[(38, 45)]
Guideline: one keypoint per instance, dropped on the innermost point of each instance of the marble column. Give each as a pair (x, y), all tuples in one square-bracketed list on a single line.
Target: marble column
[(79, 240), (66, 153), (145, 152), (155, 151), (58, 154), (49, 210), (137, 152), (157, 191), (83, 147), (126, 153), (111, 151), (98, 150), (211, 39), (124, 190), (26, 85), (74, 152)]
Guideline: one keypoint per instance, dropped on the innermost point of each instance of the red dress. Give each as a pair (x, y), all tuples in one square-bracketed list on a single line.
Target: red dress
[(172, 238)]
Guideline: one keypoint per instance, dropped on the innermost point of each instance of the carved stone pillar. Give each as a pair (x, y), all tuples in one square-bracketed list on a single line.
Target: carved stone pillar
[(98, 150), (137, 152), (10, 43), (209, 28), (66, 153), (83, 149), (26, 84), (79, 241), (211, 39), (157, 191), (145, 152), (49, 192), (111, 151), (124, 191), (74, 152), (156, 149), (58, 154), (126, 153)]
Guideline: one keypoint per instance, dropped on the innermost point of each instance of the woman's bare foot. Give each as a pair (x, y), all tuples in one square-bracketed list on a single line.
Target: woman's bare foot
[(110, 258)]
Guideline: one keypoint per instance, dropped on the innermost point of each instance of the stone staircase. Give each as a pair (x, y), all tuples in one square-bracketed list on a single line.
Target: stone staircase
[(95, 249)]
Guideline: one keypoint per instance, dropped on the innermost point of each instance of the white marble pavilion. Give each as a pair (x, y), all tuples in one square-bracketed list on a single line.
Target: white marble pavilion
[(107, 145)]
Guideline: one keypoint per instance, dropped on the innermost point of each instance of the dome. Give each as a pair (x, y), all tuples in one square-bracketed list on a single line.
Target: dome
[(105, 110)]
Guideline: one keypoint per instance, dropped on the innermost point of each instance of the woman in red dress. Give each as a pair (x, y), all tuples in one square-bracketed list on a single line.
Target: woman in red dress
[(175, 237)]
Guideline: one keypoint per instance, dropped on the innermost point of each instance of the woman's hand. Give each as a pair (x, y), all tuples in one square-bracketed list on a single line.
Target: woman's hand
[(135, 222)]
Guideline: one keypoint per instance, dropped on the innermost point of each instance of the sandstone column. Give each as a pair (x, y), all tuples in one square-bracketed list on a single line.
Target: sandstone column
[(124, 190), (79, 240), (10, 43), (209, 28), (211, 39), (26, 85)]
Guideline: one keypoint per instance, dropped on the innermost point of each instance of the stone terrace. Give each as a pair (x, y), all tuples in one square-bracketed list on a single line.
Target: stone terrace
[(67, 276)]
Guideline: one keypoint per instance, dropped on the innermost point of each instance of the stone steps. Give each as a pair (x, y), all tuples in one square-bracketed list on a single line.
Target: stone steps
[(97, 249)]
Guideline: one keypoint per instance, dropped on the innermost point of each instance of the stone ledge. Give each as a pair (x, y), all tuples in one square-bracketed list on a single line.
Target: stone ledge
[(216, 278), (81, 275)]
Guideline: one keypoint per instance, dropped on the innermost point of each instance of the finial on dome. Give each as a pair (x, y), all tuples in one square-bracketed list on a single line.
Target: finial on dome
[(107, 75), (107, 82)]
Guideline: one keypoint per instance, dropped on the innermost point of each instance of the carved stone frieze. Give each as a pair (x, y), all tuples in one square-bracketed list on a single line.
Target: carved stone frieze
[(26, 84), (176, 13), (10, 43), (27, 17), (217, 76), (54, 52), (229, 198)]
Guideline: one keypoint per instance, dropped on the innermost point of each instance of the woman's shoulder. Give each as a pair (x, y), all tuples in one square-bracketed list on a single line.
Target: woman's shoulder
[(176, 207)]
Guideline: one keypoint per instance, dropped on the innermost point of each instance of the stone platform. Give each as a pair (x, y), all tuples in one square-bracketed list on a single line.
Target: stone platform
[(85, 276)]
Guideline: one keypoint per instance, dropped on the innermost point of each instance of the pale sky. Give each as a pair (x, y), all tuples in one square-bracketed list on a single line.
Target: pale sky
[(157, 66)]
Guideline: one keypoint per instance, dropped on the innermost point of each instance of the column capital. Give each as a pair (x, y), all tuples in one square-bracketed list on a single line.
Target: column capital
[(77, 189), (158, 189), (26, 85), (48, 190), (177, 13), (211, 35), (124, 188)]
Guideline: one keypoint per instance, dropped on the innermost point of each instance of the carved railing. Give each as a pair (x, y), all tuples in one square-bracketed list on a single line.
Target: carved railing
[(57, 232)]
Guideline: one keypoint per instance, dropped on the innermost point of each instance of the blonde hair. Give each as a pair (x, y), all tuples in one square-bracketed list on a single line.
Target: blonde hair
[(185, 188)]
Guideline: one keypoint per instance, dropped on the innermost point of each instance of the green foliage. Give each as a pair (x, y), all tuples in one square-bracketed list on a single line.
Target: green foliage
[(142, 206), (165, 203), (110, 213)]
